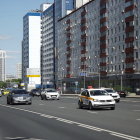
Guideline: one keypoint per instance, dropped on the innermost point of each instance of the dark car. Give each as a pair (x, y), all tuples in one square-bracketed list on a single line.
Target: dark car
[(122, 93), (18, 96), (35, 92)]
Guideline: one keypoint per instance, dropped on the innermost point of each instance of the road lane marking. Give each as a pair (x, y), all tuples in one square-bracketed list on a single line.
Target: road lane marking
[(124, 136), (138, 119), (136, 110), (61, 107), (92, 112)]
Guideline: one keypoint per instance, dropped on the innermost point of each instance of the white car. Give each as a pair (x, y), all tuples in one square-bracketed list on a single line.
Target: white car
[(96, 98), (49, 94), (113, 93)]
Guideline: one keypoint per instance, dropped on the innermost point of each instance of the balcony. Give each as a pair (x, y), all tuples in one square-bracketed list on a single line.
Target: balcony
[(68, 21), (68, 62), (130, 18), (83, 44), (103, 64), (103, 11), (69, 35), (103, 37), (129, 70), (68, 55), (68, 28), (103, 29), (68, 75), (68, 42), (103, 55), (129, 29), (83, 59), (102, 20), (83, 67), (83, 28), (129, 50), (83, 51), (68, 48), (129, 39), (129, 60), (103, 73), (83, 13), (130, 8), (83, 21), (103, 46), (83, 36)]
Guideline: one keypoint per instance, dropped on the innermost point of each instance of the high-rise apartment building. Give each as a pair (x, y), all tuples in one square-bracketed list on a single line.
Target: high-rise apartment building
[(19, 71), (2, 65), (101, 40), (31, 46), (47, 47)]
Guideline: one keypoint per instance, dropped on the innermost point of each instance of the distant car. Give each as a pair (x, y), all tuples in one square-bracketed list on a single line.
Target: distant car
[(122, 93), (50, 94), (35, 92), (95, 98), (0, 93), (18, 96), (113, 93)]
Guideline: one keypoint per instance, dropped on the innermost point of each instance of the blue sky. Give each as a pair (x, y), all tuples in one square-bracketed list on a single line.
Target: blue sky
[(11, 25)]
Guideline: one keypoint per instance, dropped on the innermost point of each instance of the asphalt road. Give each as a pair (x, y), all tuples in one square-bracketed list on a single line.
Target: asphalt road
[(62, 120)]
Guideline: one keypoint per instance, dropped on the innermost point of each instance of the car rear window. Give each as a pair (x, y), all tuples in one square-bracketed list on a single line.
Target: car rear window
[(98, 92), (19, 92)]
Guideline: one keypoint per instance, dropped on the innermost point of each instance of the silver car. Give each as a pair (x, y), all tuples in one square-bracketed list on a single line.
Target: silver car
[(19, 96)]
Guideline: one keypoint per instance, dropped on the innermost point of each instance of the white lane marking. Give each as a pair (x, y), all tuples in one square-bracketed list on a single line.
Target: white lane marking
[(128, 137), (136, 101), (64, 120), (47, 116), (41, 104), (136, 105), (136, 110), (12, 138), (138, 119), (92, 112), (61, 107)]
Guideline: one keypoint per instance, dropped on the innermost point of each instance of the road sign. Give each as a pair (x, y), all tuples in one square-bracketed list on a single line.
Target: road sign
[(83, 74)]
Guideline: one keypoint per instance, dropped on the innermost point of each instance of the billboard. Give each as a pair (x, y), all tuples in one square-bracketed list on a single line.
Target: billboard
[(33, 72)]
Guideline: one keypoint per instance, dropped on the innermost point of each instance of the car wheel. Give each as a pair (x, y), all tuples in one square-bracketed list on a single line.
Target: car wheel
[(90, 106), (117, 101), (113, 108), (41, 97), (80, 105)]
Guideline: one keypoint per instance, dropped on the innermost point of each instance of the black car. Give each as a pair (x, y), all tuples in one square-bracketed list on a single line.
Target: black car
[(122, 93), (35, 92), (18, 96)]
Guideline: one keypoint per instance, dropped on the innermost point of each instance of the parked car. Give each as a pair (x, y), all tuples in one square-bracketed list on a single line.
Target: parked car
[(0, 93), (96, 98), (17, 96), (50, 94), (122, 93), (113, 93), (35, 92)]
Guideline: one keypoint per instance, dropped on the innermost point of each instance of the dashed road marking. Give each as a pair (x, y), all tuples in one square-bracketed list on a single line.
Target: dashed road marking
[(61, 107), (121, 135), (92, 112)]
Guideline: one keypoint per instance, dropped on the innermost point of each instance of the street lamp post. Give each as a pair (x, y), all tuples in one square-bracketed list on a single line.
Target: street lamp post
[(121, 80), (99, 75)]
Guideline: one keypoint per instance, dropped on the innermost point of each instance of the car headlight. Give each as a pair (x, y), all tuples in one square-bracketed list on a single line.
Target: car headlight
[(95, 100)]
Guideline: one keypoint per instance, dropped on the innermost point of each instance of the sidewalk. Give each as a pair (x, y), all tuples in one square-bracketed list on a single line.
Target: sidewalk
[(132, 95)]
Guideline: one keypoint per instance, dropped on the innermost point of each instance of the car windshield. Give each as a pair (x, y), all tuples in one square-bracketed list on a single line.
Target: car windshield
[(19, 92), (51, 90), (109, 90), (98, 92)]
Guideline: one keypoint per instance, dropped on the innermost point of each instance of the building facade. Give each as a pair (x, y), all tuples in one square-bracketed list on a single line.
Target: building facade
[(2, 65), (31, 46), (101, 44), (47, 47), (19, 71)]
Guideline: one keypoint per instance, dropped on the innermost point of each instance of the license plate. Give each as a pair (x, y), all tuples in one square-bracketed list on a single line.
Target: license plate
[(20, 98)]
